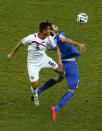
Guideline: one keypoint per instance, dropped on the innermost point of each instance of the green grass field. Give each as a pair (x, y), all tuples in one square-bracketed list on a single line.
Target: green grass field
[(84, 111)]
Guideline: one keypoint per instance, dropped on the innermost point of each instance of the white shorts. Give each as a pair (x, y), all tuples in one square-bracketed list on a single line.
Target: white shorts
[(34, 69)]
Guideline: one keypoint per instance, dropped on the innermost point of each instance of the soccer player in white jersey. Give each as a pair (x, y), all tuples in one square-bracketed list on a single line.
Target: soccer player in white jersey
[(37, 57)]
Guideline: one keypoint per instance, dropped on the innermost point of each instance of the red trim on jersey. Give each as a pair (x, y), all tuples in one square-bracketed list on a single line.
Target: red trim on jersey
[(38, 43)]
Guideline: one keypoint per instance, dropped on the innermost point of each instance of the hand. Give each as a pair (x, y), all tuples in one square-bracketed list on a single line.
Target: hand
[(82, 47), (9, 56)]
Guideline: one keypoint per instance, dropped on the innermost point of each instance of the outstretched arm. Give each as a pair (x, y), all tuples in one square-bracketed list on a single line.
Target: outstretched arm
[(14, 50), (69, 41)]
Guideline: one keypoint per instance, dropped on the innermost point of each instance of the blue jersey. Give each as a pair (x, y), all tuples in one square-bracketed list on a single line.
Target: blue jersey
[(68, 51)]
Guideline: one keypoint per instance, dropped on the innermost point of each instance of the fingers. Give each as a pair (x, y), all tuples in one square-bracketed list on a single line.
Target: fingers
[(83, 48)]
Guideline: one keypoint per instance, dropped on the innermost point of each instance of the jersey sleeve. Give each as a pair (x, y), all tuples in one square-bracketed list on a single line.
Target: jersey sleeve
[(62, 36), (27, 40), (51, 41)]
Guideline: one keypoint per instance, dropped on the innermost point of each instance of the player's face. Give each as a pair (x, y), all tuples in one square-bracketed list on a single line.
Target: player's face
[(54, 30), (47, 31)]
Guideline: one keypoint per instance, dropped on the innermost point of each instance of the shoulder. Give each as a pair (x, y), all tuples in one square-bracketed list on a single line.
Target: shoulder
[(31, 36), (62, 34), (28, 39), (49, 38)]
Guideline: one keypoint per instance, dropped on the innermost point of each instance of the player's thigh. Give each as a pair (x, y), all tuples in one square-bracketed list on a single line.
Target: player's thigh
[(72, 74), (33, 72), (50, 63)]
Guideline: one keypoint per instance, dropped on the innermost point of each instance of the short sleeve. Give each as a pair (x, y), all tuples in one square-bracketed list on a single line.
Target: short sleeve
[(62, 36), (51, 41), (27, 40)]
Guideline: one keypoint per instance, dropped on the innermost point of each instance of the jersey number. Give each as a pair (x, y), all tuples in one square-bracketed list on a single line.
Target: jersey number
[(52, 64)]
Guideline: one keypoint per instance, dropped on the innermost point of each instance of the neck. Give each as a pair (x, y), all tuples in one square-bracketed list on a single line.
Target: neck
[(41, 35)]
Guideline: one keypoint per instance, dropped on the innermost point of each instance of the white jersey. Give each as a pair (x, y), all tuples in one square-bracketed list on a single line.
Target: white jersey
[(37, 47)]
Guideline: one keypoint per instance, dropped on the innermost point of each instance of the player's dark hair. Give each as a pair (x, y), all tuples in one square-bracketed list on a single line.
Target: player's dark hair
[(44, 25)]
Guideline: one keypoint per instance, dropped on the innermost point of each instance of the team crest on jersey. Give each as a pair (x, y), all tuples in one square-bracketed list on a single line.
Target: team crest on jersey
[(32, 77)]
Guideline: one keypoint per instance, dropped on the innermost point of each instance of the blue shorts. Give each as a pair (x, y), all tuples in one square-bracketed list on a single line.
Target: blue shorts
[(72, 74)]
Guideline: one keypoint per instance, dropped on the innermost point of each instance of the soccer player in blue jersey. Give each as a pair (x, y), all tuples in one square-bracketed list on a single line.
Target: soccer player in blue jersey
[(68, 56)]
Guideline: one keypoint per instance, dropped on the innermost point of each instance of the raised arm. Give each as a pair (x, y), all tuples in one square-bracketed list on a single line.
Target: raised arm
[(25, 41), (69, 41)]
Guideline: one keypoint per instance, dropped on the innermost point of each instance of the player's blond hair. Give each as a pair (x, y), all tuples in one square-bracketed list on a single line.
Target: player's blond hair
[(55, 28)]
